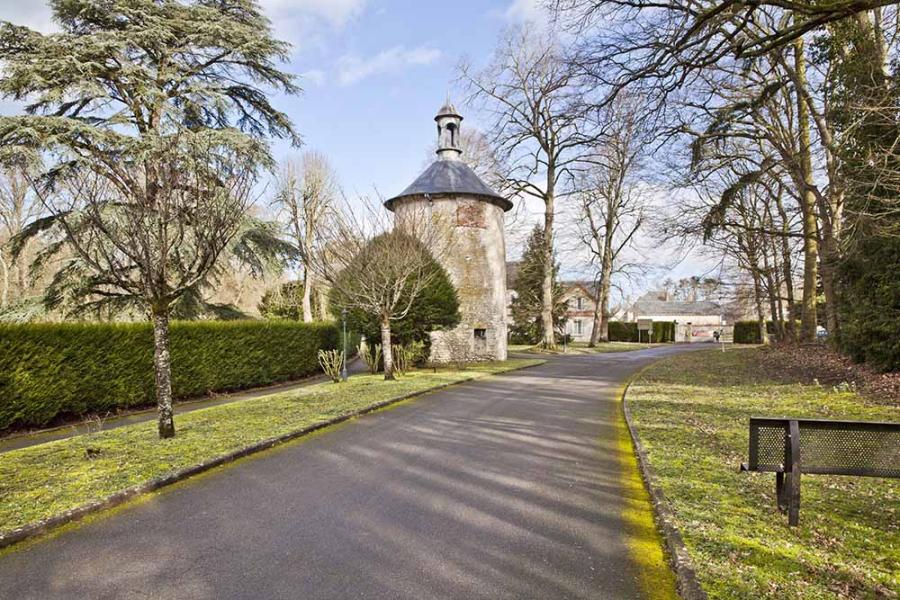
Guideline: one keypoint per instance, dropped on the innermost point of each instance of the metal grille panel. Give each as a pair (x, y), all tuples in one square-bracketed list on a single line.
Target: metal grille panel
[(827, 447)]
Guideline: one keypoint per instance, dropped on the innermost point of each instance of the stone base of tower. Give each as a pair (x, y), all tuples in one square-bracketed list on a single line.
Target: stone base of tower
[(467, 343)]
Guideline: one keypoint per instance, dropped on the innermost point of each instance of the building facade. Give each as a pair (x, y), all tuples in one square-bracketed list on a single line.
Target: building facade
[(695, 321), (453, 196)]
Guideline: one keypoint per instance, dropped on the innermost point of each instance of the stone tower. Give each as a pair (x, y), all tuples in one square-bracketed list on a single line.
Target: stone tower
[(451, 192)]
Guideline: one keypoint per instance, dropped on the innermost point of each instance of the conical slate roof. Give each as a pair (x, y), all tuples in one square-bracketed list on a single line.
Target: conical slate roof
[(450, 178)]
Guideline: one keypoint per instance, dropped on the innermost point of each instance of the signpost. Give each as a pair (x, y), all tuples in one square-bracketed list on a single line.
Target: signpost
[(645, 325)]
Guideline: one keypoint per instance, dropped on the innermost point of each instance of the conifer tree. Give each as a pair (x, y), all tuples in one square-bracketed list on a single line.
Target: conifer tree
[(527, 305), (150, 118)]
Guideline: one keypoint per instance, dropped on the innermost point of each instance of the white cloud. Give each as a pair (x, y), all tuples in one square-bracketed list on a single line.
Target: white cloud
[(315, 77), (532, 11), (35, 15), (352, 68), (335, 12)]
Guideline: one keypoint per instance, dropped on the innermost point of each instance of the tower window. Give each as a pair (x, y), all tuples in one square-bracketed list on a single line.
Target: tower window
[(481, 334)]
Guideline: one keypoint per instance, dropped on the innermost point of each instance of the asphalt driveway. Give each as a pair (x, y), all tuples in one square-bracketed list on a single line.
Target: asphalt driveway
[(503, 488)]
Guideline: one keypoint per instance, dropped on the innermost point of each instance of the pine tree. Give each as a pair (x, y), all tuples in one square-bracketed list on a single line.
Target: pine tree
[(150, 118), (527, 306)]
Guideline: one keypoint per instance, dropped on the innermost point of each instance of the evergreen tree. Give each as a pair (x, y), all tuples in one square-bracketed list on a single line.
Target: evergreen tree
[(526, 307), (151, 118), (394, 290)]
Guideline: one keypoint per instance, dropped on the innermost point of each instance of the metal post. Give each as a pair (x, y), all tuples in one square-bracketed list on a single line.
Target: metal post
[(344, 362)]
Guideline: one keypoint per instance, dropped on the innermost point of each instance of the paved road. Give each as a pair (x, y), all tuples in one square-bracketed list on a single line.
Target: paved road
[(502, 488)]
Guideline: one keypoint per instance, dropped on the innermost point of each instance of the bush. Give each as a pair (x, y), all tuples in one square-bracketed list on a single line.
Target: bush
[(620, 331), (332, 361), (52, 370), (747, 332), (663, 331), (870, 303)]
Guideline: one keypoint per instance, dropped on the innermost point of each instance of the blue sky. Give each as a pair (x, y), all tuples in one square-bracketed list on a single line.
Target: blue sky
[(374, 73)]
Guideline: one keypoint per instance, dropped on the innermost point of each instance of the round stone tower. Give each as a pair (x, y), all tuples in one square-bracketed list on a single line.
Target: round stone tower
[(452, 193)]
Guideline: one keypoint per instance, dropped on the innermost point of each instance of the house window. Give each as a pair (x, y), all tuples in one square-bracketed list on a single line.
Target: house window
[(481, 334), (579, 303), (578, 324)]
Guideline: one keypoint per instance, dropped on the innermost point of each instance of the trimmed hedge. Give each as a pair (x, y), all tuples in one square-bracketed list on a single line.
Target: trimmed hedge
[(51, 370), (747, 332), (663, 331)]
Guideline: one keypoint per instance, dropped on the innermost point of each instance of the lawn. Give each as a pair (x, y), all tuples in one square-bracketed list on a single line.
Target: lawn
[(42, 481), (582, 348), (691, 415)]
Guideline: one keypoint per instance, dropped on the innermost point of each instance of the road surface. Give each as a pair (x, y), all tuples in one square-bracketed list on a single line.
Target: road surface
[(508, 487)]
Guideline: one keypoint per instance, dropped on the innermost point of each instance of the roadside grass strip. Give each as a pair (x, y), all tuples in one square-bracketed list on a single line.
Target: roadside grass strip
[(44, 481), (643, 539), (691, 414)]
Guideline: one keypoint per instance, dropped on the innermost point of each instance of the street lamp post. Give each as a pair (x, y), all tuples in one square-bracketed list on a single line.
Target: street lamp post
[(344, 362)]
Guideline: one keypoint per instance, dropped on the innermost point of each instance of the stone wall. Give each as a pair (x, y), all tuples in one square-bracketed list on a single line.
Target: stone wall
[(476, 263)]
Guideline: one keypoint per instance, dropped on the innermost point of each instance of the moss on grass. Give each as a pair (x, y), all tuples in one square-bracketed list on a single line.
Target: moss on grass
[(691, 414), (42, 481)]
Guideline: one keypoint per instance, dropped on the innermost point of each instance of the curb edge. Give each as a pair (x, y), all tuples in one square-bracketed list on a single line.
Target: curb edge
[(679, 558)]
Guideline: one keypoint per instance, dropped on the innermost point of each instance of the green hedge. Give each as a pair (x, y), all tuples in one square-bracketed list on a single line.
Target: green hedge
[(747, 332), (663, 331), (69, 369)]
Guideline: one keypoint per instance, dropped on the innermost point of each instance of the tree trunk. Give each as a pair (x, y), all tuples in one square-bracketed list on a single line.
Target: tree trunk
[(4, 282), (807, 206), (597, 324), (307, 297), (827, 264), (386, 350), (788, 271), (760, 312), (547, 299), (323, 304), (162, 364)]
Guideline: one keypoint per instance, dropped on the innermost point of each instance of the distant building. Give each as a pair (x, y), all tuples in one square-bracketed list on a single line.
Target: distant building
[(694, 321), (580, 305)]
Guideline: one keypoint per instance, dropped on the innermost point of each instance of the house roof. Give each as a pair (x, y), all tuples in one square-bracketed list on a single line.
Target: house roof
[(663, 308), (590, 287), (450, 178)]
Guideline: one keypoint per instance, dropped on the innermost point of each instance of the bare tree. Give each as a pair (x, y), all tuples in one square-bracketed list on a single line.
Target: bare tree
[(540, 126), (307, 189), (18, 207), (611, 204), (131, 249), (380, 266)]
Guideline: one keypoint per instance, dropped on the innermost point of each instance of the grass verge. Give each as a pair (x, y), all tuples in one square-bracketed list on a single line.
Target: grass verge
[(582, 348), (691, 412), (40, 482)]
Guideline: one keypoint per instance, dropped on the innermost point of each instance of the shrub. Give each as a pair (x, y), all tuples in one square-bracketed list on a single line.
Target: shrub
[(620, 331), (747, 332), (332, 361), (50, 370), (870, 303), (663, 331), (371, 354)]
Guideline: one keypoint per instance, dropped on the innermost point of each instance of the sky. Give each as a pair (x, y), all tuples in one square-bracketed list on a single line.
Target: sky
[(373, 73)]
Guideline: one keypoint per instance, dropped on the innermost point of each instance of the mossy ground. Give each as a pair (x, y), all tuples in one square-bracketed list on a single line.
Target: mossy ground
[(42, 481), (691, 414)]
